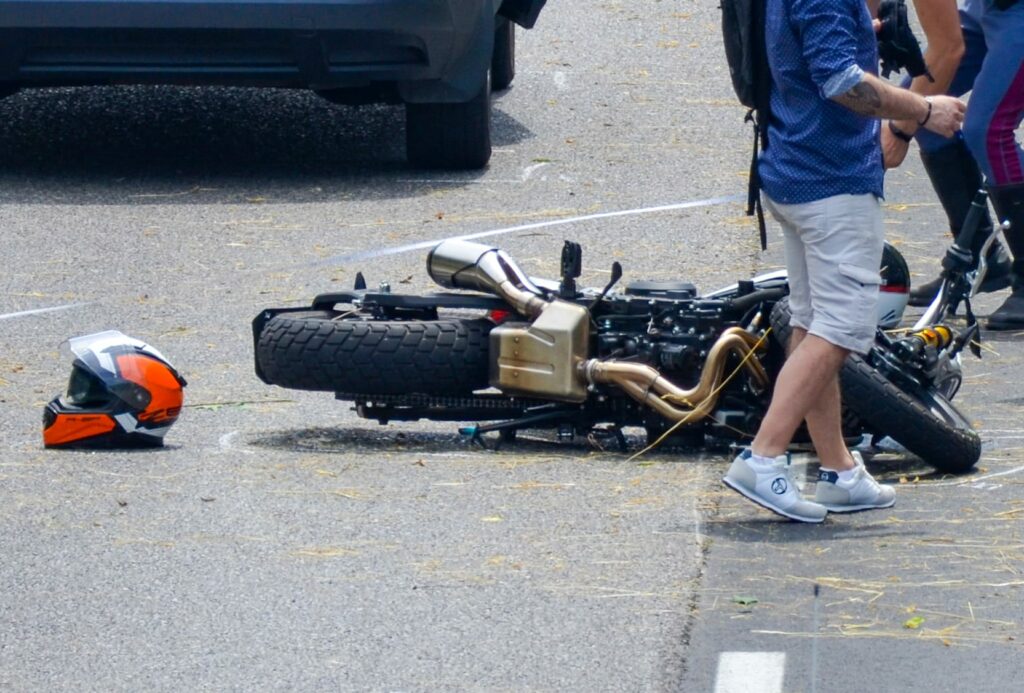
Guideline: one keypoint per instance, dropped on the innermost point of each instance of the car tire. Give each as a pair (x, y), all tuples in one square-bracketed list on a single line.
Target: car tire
[(450, 135), (503, 62)]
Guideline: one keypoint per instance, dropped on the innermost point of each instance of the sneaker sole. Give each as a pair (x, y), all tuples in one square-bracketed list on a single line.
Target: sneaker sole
[(767, 506), (855, 508)]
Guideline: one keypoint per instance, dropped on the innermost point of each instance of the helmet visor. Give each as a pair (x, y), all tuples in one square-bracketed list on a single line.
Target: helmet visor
[(85, 389), (112, 364)]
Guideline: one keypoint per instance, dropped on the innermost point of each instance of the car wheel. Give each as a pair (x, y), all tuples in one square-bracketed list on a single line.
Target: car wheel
[(450, 135), (503, 62)]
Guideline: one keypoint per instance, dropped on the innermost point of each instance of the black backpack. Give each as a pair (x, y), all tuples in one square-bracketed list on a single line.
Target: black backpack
[(743, 29)]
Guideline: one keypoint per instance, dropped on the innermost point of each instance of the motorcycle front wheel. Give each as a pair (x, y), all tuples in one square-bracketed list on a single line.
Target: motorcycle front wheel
[(922, 420), (326, 351)]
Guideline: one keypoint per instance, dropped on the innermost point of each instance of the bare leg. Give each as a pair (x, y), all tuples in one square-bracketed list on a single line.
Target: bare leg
[(824, 419), (811, 369)]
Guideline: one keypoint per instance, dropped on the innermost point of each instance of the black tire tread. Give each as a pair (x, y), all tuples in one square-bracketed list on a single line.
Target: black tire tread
[(312, 351), (453, 136), (889, 410)]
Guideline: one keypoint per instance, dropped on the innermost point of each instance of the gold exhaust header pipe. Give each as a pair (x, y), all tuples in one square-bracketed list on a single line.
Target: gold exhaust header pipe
[(648, 387)]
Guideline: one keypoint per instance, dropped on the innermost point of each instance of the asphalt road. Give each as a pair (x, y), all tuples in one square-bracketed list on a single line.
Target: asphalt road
[(279, 542)]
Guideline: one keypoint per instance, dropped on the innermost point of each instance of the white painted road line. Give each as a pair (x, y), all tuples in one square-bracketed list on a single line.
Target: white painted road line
[(381, 252), (750, 672), (40, 311), (975, 479)]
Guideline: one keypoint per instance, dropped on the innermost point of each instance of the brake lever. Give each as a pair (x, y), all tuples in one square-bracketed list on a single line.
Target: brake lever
[(616, 276), (971, 337)]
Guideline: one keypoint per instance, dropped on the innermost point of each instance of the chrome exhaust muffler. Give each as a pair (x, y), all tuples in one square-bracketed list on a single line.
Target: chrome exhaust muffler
[(457, 264), (537, 358)]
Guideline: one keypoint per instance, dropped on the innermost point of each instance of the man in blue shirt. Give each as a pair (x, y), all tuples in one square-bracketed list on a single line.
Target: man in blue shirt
[(822, 178)]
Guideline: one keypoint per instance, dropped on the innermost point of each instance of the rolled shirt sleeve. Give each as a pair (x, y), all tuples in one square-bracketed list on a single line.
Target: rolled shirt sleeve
[(842, 82), (829, 37)]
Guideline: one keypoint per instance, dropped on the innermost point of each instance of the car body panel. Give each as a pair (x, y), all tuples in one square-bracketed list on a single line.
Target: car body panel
[(419, 50)]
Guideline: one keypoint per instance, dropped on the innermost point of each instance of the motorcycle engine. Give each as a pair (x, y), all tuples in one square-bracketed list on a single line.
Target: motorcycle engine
[(661, 324)]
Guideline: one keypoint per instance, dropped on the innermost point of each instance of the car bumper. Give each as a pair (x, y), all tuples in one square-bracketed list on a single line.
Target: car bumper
[(323, 45)]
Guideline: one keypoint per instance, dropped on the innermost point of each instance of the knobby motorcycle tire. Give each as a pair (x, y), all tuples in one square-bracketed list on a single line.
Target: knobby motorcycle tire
[(925, 422), (316, 350)]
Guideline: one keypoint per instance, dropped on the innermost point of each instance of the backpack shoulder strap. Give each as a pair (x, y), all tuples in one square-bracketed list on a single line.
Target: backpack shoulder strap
[(754, 178)]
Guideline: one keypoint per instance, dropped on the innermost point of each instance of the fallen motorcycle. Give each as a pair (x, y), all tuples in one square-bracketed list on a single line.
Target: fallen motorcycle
[(510, 352)]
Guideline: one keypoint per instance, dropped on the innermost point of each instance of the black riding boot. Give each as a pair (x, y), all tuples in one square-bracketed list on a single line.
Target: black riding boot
[(1008, 201), (956, 179)]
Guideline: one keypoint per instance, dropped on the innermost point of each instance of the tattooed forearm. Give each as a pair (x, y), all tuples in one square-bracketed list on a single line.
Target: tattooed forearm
[(875, 98), (863, 98)]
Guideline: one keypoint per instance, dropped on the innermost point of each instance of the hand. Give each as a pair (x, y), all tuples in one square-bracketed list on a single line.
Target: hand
[(947, 117), (894, 150)]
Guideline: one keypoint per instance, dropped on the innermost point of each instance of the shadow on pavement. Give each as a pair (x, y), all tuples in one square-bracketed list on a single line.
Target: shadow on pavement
[(348, 440), (188, 145), (761, 526)]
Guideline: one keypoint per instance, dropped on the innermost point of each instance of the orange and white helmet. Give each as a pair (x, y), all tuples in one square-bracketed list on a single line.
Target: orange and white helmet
[(122, 393)]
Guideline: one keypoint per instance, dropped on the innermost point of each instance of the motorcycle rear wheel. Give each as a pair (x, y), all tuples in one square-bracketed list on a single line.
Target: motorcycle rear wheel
[(922, 420), (319, 350)]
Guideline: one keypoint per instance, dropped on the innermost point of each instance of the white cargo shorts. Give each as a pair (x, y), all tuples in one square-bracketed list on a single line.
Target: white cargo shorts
[(833, 254)]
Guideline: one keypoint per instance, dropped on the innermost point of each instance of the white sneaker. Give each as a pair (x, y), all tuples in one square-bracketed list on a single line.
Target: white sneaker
[(861, 492), (772, 488)]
